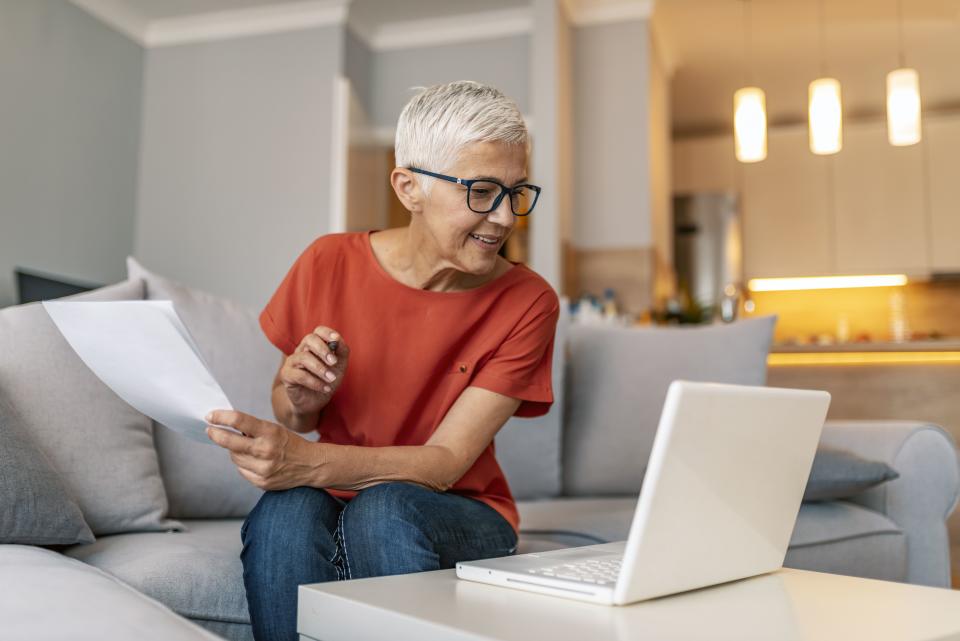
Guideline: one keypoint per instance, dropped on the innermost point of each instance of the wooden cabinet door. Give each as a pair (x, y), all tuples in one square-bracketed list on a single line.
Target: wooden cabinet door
[(785, 208), (941, 142), (878, 201)]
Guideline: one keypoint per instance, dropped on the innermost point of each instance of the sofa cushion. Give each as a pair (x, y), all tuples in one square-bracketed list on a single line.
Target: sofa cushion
[(54, 597), (567, 522), (37, 508), (202, 482), (617, 384), (101, 447), (196, 572), (528, 449), (838, 474)]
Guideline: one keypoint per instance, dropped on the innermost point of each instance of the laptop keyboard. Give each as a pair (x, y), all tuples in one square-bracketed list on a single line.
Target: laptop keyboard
[(596, 571)]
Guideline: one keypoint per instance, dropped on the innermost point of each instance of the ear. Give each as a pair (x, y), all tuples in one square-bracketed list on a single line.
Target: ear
[(407, 188)]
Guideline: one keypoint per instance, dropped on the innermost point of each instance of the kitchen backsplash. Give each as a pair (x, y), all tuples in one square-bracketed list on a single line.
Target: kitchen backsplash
[(917, 311)]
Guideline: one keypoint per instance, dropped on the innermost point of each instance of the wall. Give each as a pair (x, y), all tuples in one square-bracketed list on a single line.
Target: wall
[(611, 116), (502, 62), (69, 128), (236, 158)]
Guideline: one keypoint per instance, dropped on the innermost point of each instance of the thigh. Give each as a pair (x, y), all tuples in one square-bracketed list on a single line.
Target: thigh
[(301, 518), (411, 521)]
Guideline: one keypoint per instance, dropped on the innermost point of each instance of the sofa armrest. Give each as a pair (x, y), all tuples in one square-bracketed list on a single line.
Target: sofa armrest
[(924, 495)]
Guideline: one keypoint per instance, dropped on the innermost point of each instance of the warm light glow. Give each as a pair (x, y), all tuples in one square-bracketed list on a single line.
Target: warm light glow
[(903, 107), (825, 282), (750, 124), (826, 116), (861, 358)]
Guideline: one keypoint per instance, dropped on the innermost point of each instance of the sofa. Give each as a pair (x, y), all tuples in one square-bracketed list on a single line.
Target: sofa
[(132, 531)]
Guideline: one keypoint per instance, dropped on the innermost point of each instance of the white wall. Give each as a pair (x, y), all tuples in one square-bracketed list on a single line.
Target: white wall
[(612, 144), (69, 129), (236, 158), (502, 62)]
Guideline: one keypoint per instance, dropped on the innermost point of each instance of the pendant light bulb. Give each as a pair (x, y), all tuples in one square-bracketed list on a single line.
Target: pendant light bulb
[(750, 124), (826, 116), (903, 107)]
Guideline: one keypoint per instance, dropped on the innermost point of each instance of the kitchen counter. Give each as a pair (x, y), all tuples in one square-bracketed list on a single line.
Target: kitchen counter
[(940, 345)]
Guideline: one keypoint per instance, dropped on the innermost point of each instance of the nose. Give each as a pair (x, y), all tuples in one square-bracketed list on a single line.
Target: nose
[(502, 215)]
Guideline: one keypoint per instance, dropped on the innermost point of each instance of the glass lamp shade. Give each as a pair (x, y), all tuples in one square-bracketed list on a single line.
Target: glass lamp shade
[(903, 107), (750, 124), (826, 116)]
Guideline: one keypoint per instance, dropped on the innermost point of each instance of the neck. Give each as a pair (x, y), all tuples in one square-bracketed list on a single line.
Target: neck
[(418, 261)]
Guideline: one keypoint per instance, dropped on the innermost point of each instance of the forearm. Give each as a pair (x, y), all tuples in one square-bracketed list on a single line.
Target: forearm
[(350, 467), (287, 416)]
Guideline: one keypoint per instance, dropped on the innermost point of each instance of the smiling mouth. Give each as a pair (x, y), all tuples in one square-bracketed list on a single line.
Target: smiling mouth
[(489, 240)]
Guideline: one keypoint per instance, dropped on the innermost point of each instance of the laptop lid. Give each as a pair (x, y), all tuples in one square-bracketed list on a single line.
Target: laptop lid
[(723, 486)]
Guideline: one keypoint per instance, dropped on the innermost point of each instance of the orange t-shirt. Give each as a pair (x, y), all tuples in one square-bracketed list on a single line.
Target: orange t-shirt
[(413, 351)]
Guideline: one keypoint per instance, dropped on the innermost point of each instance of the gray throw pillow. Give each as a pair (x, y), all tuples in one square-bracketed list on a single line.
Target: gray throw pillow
[(37, 508), (201, 480), (838, 474), (528, 449), (101, 447), (617, 380)]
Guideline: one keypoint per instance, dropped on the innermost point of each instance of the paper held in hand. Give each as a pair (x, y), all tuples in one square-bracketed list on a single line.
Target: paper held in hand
[(144, 353)]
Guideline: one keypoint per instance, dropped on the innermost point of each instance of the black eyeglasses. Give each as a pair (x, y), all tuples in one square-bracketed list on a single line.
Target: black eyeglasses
[(484, 195)]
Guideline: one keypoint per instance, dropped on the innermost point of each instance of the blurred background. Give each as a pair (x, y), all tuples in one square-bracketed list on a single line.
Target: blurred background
[(702, 160)]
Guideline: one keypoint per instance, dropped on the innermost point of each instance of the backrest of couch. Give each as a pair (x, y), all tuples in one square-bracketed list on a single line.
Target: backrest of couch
[(617, 380), (529, 449)]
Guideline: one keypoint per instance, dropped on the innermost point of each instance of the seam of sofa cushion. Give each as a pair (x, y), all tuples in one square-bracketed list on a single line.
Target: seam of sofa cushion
[(581, 535), (197, 616), (849, 537)]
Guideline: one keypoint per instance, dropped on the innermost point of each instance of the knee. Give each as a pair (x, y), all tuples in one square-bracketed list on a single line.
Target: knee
[(385, 513), (289, 516), (395, 502)]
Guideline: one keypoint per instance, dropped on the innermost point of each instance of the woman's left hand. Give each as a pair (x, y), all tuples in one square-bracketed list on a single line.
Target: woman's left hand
[(268, 455)]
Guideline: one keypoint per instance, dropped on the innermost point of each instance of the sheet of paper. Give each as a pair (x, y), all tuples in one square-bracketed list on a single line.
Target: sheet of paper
[(145, 354)]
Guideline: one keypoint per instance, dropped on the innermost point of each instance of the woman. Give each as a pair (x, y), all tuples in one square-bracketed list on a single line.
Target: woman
[(444, 339)]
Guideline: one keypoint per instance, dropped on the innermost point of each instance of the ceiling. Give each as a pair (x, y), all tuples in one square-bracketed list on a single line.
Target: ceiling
[(705, 40)]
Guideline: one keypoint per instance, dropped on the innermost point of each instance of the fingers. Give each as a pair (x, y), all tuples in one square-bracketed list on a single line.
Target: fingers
[(318, 347), (307, 370), (229, 440), (245, 423)]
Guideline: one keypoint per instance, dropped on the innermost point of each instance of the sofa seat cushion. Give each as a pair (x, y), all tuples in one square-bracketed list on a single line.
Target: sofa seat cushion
[(567, 522), (53, 597), (196, 573)]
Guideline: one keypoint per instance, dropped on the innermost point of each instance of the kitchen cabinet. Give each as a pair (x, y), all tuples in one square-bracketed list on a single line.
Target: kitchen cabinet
[(941, 143), (785, 210), (879, 204), (704, 164)]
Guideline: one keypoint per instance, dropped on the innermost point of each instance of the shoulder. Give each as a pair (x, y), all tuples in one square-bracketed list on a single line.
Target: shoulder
[(333, 248), (532, 298)]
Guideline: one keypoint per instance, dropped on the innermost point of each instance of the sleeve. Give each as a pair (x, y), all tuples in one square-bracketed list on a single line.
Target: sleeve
[(522, 365), (285, 318)]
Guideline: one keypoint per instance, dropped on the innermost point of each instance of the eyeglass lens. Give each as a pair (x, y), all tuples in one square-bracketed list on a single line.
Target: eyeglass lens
[(483, 195)]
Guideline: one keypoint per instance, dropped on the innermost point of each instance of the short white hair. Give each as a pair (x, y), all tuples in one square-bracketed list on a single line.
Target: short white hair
[(441, 120)]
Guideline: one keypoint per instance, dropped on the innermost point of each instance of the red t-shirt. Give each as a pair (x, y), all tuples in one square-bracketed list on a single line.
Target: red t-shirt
[(413, 351)]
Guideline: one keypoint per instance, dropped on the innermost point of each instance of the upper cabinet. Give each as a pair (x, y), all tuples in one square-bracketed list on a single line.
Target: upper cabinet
[(785, 210), (942, 146), (871, 209), (878, 202)]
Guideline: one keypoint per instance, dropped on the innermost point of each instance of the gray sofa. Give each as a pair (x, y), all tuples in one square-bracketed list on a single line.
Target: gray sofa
[(575, 471)]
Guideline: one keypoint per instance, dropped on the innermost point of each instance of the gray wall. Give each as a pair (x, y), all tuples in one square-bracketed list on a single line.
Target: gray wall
[(611, 121), (502, 62), (69, 128), (236, 159)]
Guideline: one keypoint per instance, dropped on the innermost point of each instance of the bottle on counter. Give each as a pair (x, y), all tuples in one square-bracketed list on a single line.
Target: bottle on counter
[(899, 329), (610, 313)]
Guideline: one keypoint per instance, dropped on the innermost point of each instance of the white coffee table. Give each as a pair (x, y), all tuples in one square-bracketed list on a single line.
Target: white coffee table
[(784, 606)]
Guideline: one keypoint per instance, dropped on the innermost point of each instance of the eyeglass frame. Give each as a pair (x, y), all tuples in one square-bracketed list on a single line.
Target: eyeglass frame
[(468, 183)]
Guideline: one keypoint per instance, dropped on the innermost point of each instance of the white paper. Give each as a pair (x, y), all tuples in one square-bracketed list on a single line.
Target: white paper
[(144, 353)]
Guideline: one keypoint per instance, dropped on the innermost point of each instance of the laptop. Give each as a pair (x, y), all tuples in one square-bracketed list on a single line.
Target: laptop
[(720, 497)]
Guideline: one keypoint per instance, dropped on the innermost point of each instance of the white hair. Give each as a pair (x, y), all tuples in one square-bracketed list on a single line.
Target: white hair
[(440, 121)]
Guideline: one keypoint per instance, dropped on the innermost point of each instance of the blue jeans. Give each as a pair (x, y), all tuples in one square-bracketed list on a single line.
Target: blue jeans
[(305, 535)]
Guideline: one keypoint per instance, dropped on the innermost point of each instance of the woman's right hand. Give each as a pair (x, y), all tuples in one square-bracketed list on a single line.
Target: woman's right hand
[(312, 373)]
